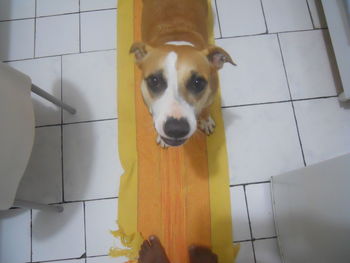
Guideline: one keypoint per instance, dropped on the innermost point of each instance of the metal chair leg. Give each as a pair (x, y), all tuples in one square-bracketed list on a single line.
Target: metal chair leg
[(49, 97)]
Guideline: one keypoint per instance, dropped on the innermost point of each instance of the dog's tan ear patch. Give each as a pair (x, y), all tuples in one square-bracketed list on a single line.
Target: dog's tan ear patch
[(140, 50), (218, 56)]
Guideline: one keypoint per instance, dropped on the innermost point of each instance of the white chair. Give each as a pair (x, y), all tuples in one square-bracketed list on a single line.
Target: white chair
[(17, 130)]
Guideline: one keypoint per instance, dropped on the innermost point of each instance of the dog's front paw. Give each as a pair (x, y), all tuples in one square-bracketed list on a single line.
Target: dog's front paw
[(206, 125), (161, 142)]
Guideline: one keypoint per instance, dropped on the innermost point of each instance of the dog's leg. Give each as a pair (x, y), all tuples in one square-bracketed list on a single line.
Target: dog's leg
[(205, 123), (161, 142)]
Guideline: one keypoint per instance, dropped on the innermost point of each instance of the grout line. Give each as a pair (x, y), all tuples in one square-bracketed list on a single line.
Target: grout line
[(264, 238), (85, 200), (253, 251), (290, 94), (48, 125), (249, 35), (98, 256), (255, 239), (217, 15), (57, 55), (62, 163), (249, 222), (245, 184), (312, 20), (100, 120), (63, 14), (35, 28), (84, 207), (271, 33), (31, 235), (77, 122), (254, 104), (253, 247), (17, 19), (263, 11), (297, 31), (70, 13), (246, 204), (79, 28), (316, 98), (56, 260), (299, 136), (281, 101)]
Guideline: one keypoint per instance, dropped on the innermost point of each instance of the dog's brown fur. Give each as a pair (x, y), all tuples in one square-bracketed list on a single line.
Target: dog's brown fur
[(180, 20)]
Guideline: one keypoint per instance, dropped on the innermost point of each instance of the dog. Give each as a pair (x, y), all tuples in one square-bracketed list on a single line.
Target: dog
[(179, 68)]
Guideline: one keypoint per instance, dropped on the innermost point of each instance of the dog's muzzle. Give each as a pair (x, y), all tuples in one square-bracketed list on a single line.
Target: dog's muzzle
[(176, 131)]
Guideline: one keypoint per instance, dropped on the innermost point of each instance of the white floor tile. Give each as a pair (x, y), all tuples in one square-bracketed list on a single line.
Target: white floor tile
[(17, 39), (259, 75), (246, 254), (239, 214), (308, 65), (262, 141), (15, 236), (91, 161), (260, 210), (89, 84), (55, 7), (57, 35), (324, 126), (87, 5), (217, 33), (106, 259), (266, 251), (318, 17), (101, 218), (98, 30), (286, 15), (241, 17), (59, 235), (82, 260), (46, 74), (16, 9), (42, 180)]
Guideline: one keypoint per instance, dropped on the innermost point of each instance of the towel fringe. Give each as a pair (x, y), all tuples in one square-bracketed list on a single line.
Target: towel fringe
[(131, 243)]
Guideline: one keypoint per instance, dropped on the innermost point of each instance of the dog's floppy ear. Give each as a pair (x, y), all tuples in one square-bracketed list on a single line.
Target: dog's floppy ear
[(218, 57), (140, 50)]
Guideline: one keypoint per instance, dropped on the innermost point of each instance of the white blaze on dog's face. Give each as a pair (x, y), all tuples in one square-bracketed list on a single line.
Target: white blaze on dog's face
[(178, 83)]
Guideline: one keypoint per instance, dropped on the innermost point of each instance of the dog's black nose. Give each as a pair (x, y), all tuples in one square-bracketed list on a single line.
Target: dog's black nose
[(176, 128)]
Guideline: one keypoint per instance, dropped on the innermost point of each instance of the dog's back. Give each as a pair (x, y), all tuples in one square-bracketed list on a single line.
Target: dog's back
[(175, 20)]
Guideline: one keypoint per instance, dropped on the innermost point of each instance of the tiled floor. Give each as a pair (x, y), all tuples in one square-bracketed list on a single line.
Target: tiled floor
[(279, 105)]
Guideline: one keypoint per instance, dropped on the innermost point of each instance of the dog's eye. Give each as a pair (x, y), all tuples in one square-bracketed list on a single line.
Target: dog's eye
[(196, 84), (156, 83)]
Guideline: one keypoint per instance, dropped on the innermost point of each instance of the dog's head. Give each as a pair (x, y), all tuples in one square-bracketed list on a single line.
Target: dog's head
[(178, 83)]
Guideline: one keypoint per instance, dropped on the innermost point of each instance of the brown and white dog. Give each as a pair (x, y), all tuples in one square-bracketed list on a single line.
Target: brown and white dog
[(179, 68)]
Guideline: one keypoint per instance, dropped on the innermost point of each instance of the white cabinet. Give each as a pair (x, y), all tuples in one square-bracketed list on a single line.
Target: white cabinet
[(312, 212)]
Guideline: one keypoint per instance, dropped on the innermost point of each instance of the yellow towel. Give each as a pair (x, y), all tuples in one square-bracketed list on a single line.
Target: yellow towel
[(180, 194)]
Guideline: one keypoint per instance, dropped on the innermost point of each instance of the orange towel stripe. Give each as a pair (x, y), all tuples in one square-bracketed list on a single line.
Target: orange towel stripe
[(173, 190)]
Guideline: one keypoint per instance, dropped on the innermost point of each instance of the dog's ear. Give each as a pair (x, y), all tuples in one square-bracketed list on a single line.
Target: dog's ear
[(140, 50), (217, 56)]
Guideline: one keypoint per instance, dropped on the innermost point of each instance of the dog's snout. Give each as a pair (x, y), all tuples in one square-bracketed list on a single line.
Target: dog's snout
[(176, 128)]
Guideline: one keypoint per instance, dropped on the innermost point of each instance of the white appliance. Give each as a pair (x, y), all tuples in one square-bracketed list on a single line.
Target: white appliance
[(312, 212)]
